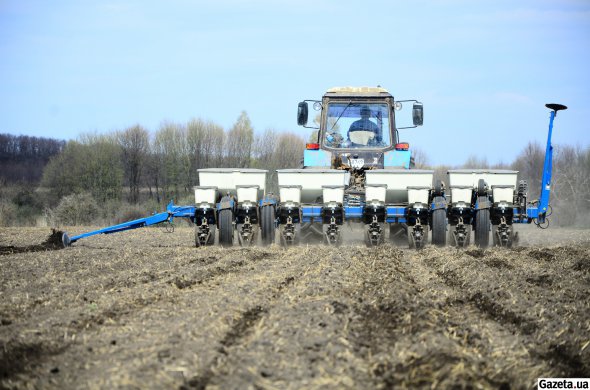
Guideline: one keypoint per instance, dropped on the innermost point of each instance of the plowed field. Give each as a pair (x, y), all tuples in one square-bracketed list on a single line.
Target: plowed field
[(145, 309)]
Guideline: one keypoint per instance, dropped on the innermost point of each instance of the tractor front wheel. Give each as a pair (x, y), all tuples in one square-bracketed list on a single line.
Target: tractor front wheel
[(482, 227), (267, 225), (226, 227), (439, 224)]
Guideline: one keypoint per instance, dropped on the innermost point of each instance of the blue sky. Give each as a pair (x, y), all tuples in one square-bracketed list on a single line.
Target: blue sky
[(483, 69)]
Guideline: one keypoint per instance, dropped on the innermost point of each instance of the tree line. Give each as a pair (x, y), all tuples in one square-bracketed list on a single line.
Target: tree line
[(163, 165), (22, 158), (570, 198), (141, 169)]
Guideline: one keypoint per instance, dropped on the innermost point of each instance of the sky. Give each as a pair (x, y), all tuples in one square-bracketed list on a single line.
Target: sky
[(483, 69)]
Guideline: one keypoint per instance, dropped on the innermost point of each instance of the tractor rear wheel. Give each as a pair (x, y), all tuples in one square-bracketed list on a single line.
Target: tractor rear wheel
[(439, 224), (226, 228), (267, 217)]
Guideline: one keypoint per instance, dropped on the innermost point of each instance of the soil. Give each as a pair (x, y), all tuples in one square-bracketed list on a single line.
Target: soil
[(53, 242), (146, 309)]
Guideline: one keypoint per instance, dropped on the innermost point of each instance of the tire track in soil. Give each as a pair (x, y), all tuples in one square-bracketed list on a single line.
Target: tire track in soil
[(264, 274), (199, 275), (500, 298), (425, 332), (344, 317), (487, 306), (305, 339), (236, 333), (18, 356), (15, 357)]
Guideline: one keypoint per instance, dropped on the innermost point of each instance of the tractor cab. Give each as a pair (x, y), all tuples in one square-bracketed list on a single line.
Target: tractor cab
[(357, 130)]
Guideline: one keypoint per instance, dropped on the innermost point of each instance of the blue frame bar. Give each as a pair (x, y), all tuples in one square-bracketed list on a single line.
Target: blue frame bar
[(394, 214), (546, 180), (167, 216)]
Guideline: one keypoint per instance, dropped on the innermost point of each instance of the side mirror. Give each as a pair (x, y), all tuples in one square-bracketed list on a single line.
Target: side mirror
[(302, 112), (418, 114)]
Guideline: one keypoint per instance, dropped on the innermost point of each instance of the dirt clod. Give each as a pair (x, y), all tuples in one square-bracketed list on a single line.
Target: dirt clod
[(53, 242)]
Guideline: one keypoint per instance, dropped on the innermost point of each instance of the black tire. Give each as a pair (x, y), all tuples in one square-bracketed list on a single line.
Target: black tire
[(495, 239), (481, 187), (410, 239), (438, 187), (413, 244), (296, 239), (211, 240), (482, 228), (451, 236), (368, 242), (267, 226), (439, 225), (226, 228)]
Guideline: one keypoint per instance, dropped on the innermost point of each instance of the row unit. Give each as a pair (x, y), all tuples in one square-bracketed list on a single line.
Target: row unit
[(315, 186)]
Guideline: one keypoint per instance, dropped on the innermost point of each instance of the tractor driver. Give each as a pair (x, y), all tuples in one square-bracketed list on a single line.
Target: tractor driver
[(365, 124)]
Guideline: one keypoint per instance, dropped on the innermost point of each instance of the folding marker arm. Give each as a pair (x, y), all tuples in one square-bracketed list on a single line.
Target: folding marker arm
[(540, 212), (171, 212)]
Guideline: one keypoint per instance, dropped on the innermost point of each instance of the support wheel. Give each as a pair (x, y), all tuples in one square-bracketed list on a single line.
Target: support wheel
[(497, 240), (482, 227), (226, 228), (210, 240), (439, 224), (481, 187), (370, 239), (294, 235), (267, 225), (412, 243), (197, 241), (454, 231), (439, 187)]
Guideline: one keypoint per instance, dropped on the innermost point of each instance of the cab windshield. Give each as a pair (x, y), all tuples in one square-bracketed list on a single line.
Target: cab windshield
[(357, 126)]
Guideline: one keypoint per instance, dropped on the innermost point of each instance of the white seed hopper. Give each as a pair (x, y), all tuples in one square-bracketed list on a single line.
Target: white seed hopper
[(227, 180), (398, 181)]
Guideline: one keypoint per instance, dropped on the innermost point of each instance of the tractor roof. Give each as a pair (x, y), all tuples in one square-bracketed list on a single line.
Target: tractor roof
[(357, 91)]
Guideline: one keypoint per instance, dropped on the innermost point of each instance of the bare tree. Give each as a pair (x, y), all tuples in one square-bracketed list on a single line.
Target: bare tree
[(273, 150), (134, 143), (571, 179), (476, 162), (91, 164), (238, 144), (529, 164), (170, 160), (420, 158), (22, 158)]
